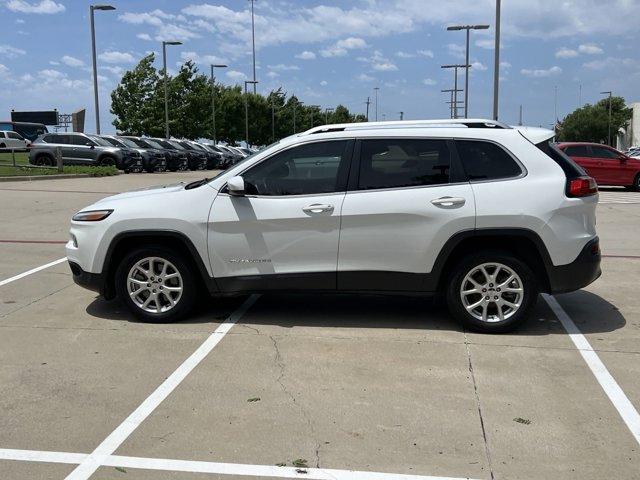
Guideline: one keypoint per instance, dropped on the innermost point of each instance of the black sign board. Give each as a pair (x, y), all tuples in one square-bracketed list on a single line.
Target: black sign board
[(46, 117)]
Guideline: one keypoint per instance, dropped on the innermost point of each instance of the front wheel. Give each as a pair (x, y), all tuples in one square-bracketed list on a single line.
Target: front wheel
[(156, 285), (491, 292)]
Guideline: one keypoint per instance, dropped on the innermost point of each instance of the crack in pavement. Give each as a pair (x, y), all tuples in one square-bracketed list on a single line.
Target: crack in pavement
[(475, 391), (303, 411), (4, 315)]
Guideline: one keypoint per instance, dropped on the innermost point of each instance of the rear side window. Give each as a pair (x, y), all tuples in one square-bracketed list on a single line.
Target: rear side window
[(392, 163), (577, 151), (14, 135), (601, 152), (486, 161), (570, 168)]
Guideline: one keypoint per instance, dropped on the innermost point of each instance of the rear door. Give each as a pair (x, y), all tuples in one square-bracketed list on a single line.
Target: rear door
[(283, 234), (406, 198)]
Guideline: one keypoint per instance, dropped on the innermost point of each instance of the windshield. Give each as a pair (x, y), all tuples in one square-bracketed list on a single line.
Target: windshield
[(100, 141), (153, 144), (175, 144), (113, 142), (128, 142), (186, 145)]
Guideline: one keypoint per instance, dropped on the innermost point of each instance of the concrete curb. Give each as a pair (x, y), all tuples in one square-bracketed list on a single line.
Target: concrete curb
[(21, 178)]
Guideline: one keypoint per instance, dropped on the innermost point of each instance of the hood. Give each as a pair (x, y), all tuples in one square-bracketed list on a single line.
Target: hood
[(144, 192)]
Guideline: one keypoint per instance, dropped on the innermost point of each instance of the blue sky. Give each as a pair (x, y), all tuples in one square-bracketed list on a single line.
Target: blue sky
[(329, 51)]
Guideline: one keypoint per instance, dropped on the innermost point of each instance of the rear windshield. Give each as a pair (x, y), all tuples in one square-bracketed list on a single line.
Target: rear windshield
[(570, 168)]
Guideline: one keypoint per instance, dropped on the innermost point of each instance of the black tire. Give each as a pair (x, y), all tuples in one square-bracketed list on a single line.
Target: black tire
[(46, 160), (185, 303), (107, 161), (529, 285), (636, 184)]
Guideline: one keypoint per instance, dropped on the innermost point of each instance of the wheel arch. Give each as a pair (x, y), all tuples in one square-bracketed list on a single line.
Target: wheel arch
[(523, 243), (176, 241)]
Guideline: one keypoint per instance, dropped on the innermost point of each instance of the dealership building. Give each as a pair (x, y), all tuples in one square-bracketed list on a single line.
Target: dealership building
[(630, 136)]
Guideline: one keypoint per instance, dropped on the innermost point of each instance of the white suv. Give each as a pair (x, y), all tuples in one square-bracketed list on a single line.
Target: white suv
[(485, 214)]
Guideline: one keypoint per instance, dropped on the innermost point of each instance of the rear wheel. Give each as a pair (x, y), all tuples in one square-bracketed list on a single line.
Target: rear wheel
[(636, 183), (491, 292), (46, 160), (107, 161), (156, 285)]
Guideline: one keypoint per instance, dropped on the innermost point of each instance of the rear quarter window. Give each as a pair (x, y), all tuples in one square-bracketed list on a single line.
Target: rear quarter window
[(486, 161)]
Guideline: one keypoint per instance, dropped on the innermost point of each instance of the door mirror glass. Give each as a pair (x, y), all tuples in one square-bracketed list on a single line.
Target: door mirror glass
[(235, 185)]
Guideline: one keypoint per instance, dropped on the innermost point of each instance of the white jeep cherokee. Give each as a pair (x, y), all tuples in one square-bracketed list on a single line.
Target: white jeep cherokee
[(486, 214)]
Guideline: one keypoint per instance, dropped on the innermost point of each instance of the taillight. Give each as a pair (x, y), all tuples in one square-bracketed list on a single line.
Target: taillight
[(582, 187)]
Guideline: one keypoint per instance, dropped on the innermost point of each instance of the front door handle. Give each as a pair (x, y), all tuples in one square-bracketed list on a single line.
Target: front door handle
[(317, 208), (449, 202)]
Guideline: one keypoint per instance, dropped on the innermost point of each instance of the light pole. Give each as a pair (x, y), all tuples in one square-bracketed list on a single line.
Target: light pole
[(246, 111), (166, 90), (92, 9), (496, 66), (610, 94), (326, 114), (213, 100), (377, 89), (455, 85), (451, 102), (253, 42), (468, 28)]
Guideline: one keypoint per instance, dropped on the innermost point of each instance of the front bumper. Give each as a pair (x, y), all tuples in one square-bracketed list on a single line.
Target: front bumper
[(131, 164), (91, 281), (585, 269)]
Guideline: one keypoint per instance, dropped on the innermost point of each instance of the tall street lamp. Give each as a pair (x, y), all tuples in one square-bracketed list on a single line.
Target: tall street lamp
[(246, 110), (610, 94), (92, 9), (213, 100), (253, 42), (166, 90), (377, 89), (455, 86), (496, 65), (468, 28)]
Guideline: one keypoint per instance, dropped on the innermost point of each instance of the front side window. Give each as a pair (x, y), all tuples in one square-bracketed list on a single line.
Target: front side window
[(392, 163), (306, 169), (577, 151), (486, 160), (15, 135), (601, 152)]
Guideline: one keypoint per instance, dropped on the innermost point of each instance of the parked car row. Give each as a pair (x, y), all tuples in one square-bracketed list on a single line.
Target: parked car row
[(133, 154), (605, 164)]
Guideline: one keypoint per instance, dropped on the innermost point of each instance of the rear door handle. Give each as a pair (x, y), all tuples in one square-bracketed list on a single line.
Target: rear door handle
[(317, 208), (448, 202)]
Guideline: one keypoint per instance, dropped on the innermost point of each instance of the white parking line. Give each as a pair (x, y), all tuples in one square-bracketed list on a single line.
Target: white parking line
[(625, 408), (33, 270), (109, 445), (170, 465)]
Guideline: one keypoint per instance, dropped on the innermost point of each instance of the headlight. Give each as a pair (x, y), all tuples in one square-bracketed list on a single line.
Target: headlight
[(92, 215)]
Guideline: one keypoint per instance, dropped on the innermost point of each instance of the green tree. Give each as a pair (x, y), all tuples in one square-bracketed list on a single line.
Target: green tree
[(591, 122)]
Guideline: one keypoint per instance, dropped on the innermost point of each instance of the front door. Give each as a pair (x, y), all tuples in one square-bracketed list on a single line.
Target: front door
[(614, 166), (283, 234), (405, 201)]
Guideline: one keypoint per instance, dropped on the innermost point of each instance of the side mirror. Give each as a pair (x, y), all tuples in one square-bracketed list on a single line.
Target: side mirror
[(235, 185)]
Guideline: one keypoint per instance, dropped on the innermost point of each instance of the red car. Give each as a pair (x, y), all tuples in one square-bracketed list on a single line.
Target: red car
[(607, 165)]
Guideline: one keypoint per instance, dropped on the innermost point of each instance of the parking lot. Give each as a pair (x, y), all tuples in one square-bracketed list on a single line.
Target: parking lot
[(303, 386)]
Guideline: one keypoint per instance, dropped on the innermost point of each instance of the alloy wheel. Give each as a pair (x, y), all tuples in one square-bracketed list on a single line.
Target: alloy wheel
[(154, 284)]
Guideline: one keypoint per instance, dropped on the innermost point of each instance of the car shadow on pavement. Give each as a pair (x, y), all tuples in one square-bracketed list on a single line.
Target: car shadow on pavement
[(590, 312)]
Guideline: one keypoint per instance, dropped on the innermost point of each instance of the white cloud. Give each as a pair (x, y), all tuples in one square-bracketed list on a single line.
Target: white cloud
[(19, 21), (113, 56), (27, 77), (236, 75), (43, 6), (144, 36), (50, 74), (430, 82), (541, 73), (168, 26), (4, 70), (486, 43), (611, 63), (384, 67), (425, 53), (341, 47), (70, 61), (363, 77), (566, 53), (405, 55), (273, 74), (505, 65), (590, 49), (10, 52), (202, 59), (306, 55), (117, 71), (281, 67), (478, 66), (456, 50), (323, 83)]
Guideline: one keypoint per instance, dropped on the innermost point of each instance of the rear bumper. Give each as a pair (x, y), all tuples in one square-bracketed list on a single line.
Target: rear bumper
[(584, 270), (91, 281)]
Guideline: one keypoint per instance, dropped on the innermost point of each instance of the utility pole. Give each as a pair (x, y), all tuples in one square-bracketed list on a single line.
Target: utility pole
[(273, 121), (166, 89), (246, 111), (580, 96), (368, 102), (451, 102), (610, 94), (253, 41), (496, 66), (455, 85), (213, 100), (295, 107), (326, 114), (377, 89), (93, 8), (401, 116), (520, 122), (468, 28)]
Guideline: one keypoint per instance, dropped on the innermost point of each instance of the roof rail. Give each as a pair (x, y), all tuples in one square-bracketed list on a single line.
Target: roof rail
[(444, 123)]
